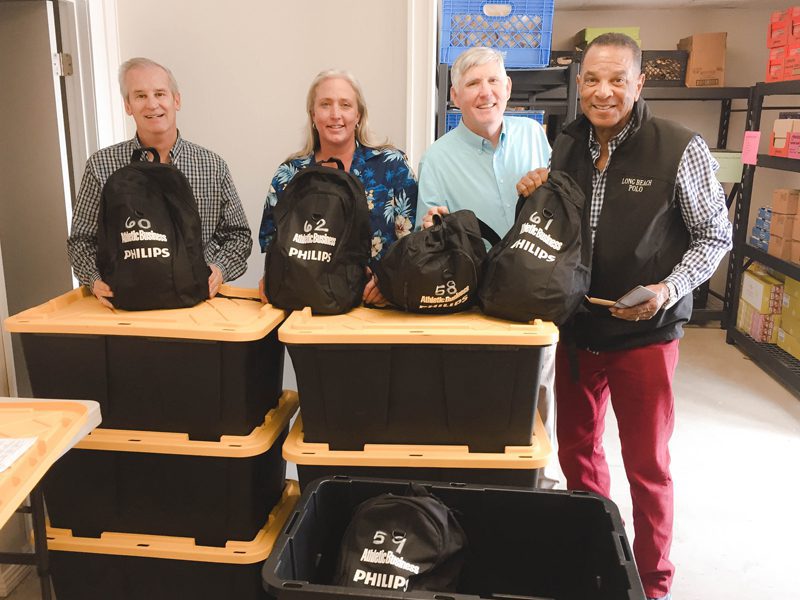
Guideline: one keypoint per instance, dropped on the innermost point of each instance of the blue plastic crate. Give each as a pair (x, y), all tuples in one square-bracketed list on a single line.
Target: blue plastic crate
[(522, 32), (453, 117)]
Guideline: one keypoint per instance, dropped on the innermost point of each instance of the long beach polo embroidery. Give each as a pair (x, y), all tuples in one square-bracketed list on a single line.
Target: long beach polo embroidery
[(636, 185)]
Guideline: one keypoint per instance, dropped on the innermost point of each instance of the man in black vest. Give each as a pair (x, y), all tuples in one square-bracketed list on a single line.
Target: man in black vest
[(658, 219)]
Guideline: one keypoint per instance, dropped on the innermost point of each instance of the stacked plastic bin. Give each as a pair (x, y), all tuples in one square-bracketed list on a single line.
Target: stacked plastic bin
[(392, 394), (182, 491)]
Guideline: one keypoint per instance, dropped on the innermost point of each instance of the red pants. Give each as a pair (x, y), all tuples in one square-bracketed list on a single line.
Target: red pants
[(639, 382)]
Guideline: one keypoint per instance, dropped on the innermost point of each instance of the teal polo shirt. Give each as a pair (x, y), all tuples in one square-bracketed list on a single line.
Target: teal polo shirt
[(461, 170)]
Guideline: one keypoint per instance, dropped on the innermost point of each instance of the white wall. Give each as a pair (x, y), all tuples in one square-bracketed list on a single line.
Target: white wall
[(244, 69)]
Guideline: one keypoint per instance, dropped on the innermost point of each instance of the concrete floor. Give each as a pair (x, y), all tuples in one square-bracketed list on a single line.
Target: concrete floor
[(734, 451)]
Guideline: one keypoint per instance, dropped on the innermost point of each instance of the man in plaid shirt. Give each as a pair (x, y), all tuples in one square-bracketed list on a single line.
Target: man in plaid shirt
[(152, 98), (658, 218)]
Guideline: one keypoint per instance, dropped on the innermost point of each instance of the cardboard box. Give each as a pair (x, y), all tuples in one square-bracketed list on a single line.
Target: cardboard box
[(761, 233), (778, 29), (793, 144), (785, 201), (789, 343), (762, 245), (706, 66), (782, 130), (762, 292), (790, 324), (792, 288), (776, 71), (788, 147), (784, 248), (785, 226), (762, 328), (790, 306), (791, 72), (776, 64)]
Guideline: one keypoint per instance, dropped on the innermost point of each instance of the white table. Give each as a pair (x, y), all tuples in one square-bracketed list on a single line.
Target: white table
[(57, 426)]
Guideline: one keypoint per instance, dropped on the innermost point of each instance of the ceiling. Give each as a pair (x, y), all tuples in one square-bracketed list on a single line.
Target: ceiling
[(667, 4)]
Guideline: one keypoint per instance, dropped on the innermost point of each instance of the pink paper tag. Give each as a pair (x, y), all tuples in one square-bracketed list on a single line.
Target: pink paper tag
[(750, 147)]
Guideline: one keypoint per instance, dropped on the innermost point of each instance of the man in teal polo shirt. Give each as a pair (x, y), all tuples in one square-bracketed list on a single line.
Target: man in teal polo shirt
[(483, 165)]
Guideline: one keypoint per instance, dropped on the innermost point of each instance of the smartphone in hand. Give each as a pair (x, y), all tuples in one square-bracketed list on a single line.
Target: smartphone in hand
[(636, 296)]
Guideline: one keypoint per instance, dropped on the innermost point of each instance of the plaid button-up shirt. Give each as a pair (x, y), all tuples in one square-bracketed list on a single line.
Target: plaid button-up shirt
[(226, 235)]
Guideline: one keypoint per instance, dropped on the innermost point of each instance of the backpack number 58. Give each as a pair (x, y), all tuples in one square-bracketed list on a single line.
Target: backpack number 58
[(449, 288)]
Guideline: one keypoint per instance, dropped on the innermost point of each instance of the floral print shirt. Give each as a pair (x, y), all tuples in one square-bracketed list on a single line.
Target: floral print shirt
[(391, 194)]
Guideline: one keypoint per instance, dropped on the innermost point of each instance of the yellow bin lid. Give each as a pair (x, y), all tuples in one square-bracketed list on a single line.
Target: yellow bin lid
[(224, 319), (534, 456), (229, 446), (54, 425), (181, 548), (378, 326)]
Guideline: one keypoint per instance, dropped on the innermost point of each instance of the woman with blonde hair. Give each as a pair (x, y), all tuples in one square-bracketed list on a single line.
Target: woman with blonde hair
[(338, 128)]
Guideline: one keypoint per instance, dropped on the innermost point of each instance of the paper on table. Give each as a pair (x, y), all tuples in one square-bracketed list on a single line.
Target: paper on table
[(11, 449), (750, 147)]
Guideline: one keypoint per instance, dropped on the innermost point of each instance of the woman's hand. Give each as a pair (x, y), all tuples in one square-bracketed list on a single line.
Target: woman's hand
[(372, 294), (261, 292), (427, 220)]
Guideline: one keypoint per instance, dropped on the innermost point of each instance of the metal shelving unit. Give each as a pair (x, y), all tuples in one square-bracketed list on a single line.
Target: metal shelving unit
[(772, 359), (552, 89)]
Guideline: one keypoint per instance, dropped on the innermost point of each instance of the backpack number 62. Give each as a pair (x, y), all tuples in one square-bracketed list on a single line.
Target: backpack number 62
[(320, 226)]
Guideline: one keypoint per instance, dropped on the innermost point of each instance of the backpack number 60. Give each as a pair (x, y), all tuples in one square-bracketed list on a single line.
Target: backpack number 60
[(143, 223)]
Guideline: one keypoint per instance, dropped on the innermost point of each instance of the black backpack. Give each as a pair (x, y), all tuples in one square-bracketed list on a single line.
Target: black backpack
[(436, 270), (542, 267), (402, 543), (322, 242), (149, 237)]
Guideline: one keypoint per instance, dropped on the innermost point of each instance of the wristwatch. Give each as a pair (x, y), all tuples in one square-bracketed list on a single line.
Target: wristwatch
[(673, 295)]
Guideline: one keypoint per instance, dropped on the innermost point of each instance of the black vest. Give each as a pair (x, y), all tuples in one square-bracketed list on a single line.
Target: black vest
[(640, 236)]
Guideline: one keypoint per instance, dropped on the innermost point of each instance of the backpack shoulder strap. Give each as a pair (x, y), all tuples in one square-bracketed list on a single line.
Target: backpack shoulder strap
[(137, 154)]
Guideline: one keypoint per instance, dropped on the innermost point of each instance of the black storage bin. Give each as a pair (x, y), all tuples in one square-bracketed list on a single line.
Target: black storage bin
[(518, 466), (211, 370), (387, 377), (137, 567), (164, 484), (523, 544)]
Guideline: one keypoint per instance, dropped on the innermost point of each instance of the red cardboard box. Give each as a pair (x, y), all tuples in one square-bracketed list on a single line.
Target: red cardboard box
[(777, 64), (776, 70), (781, 135), (780, 25), (794, 30), (791, 54)]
